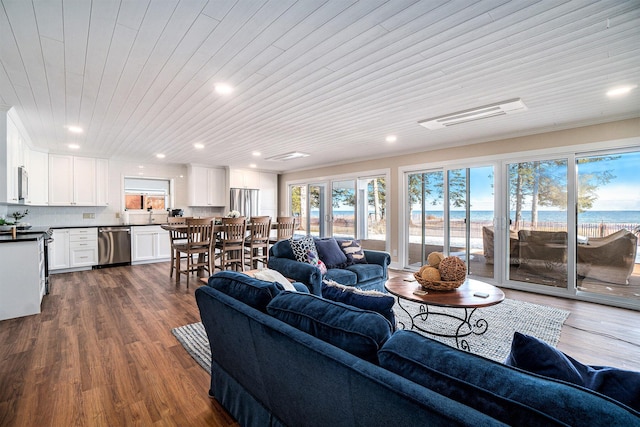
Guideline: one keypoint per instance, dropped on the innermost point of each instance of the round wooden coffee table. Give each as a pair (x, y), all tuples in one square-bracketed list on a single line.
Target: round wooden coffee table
[(470, 296)]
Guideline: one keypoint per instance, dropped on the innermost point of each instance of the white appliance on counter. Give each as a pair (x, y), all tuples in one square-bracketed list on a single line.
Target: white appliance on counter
[(246, 201)]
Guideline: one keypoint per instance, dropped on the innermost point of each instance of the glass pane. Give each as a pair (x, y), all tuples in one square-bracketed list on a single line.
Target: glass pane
[(316, 209), (343, 203), (457, 181), (426, 216), (481, 203), (374, 214), (538, 218), (608, 211), (299, 207)]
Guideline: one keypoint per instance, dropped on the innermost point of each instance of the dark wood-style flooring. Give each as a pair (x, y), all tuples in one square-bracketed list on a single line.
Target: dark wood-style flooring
[(102, 353)]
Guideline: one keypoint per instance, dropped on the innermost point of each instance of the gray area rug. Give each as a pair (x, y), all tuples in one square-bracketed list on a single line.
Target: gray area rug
[(502, 321)]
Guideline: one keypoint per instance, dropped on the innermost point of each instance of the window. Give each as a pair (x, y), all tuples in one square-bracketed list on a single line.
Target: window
[(147, 193)]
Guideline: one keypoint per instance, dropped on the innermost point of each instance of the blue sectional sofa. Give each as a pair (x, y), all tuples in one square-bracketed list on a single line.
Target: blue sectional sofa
[(293, 358), (369, 275)]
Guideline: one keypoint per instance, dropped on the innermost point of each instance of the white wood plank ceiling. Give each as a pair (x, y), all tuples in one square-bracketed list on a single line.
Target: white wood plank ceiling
[(330, 78)]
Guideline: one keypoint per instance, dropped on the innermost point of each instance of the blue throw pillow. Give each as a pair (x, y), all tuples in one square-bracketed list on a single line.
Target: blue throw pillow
[(508, 394), (253, 292), (359, 332), (534, 355), (367, 300), (330, 253), (353, 251)]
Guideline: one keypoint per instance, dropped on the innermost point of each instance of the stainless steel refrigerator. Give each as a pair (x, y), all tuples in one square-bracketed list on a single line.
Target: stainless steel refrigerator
[(246, 201)]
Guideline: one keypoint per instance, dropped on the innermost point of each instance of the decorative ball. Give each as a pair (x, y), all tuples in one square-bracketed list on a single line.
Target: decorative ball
[(452, 269), (431, 274), (434, 259)]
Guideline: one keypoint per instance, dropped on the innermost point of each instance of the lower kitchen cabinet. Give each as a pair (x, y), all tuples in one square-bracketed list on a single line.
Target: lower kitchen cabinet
[(73, 248), (23, 278), (149, 244)]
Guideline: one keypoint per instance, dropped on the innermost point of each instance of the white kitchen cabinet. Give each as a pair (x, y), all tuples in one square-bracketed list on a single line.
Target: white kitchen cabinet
[(244, 178), (14, 159), (59, 250), (38, 169), (149, 244), (83, 247), (207, 186), (21, 289), (73, 181), (268, 194), (73, 248), (102, 182)]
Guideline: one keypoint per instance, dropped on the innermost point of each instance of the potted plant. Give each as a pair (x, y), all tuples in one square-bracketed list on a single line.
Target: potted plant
[(17, 216)]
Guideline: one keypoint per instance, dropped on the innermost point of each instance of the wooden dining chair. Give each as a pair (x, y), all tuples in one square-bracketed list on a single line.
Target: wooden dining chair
[(284, 229), (176, 237), (230, 243), (199, 238), (257, 243)]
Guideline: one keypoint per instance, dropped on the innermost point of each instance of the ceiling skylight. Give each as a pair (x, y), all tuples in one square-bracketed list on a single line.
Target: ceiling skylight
[(620, 91)]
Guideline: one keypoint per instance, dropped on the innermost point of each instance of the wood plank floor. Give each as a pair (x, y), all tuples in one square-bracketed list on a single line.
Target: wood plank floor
[(102, 353)]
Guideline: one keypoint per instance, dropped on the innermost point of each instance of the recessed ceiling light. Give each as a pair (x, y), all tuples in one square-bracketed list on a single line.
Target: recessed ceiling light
[(160, 156), (74, 129), (140, 167), (253, 165), (140, 173), (198, 146), (620, 90), (391, 138), (73, 146), (223, 88), (256, 154)]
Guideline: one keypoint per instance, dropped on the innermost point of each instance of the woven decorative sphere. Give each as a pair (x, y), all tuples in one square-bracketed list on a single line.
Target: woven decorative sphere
[(431, 274), (452, 269), (434, 259)]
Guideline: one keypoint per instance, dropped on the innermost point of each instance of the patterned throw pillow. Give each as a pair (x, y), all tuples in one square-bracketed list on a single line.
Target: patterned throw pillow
[(301, 248), (353, 251), (314, 260)]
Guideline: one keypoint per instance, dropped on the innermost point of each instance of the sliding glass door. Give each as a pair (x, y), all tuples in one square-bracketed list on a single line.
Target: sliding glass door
[(425, 216), (343, 208), (307, 205), (608, 224), (538, 218)]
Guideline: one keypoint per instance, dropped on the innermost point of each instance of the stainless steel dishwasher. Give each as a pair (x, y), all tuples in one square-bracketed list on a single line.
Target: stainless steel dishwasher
[(114, 246)]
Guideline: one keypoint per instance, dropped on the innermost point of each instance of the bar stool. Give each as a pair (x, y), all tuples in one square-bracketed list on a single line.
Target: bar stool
[(284, 229), (199, 235), (176, 237), (257, 244), (231, 243)]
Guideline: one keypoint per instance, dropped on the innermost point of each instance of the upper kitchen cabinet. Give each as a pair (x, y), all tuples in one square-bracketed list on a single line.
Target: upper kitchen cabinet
[(268, 194), (207, 186), (243, 178), (11, 156), (74, 181), (38, 169)]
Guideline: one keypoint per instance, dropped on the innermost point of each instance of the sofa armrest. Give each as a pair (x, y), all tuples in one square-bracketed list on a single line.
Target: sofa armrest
[(299, 272), (380, 258)]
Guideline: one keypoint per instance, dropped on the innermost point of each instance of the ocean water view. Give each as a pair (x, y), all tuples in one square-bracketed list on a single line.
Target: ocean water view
[(618, 217)]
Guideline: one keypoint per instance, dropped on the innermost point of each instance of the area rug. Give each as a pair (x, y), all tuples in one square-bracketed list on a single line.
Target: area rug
[(502, 320)]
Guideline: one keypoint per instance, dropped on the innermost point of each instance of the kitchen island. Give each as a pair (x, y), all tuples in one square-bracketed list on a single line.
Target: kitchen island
[(22, 272)]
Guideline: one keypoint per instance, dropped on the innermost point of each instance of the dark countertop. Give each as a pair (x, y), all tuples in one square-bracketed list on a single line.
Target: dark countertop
[(31, 235), (36, 232)]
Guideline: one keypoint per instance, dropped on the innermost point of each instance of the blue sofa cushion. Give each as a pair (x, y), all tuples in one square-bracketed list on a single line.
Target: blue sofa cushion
[(253, 292), (344, 277), (359, 332), (534, 355), (353, 251), (367, 300), (330, 253), (508, 394), (366, 272)]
